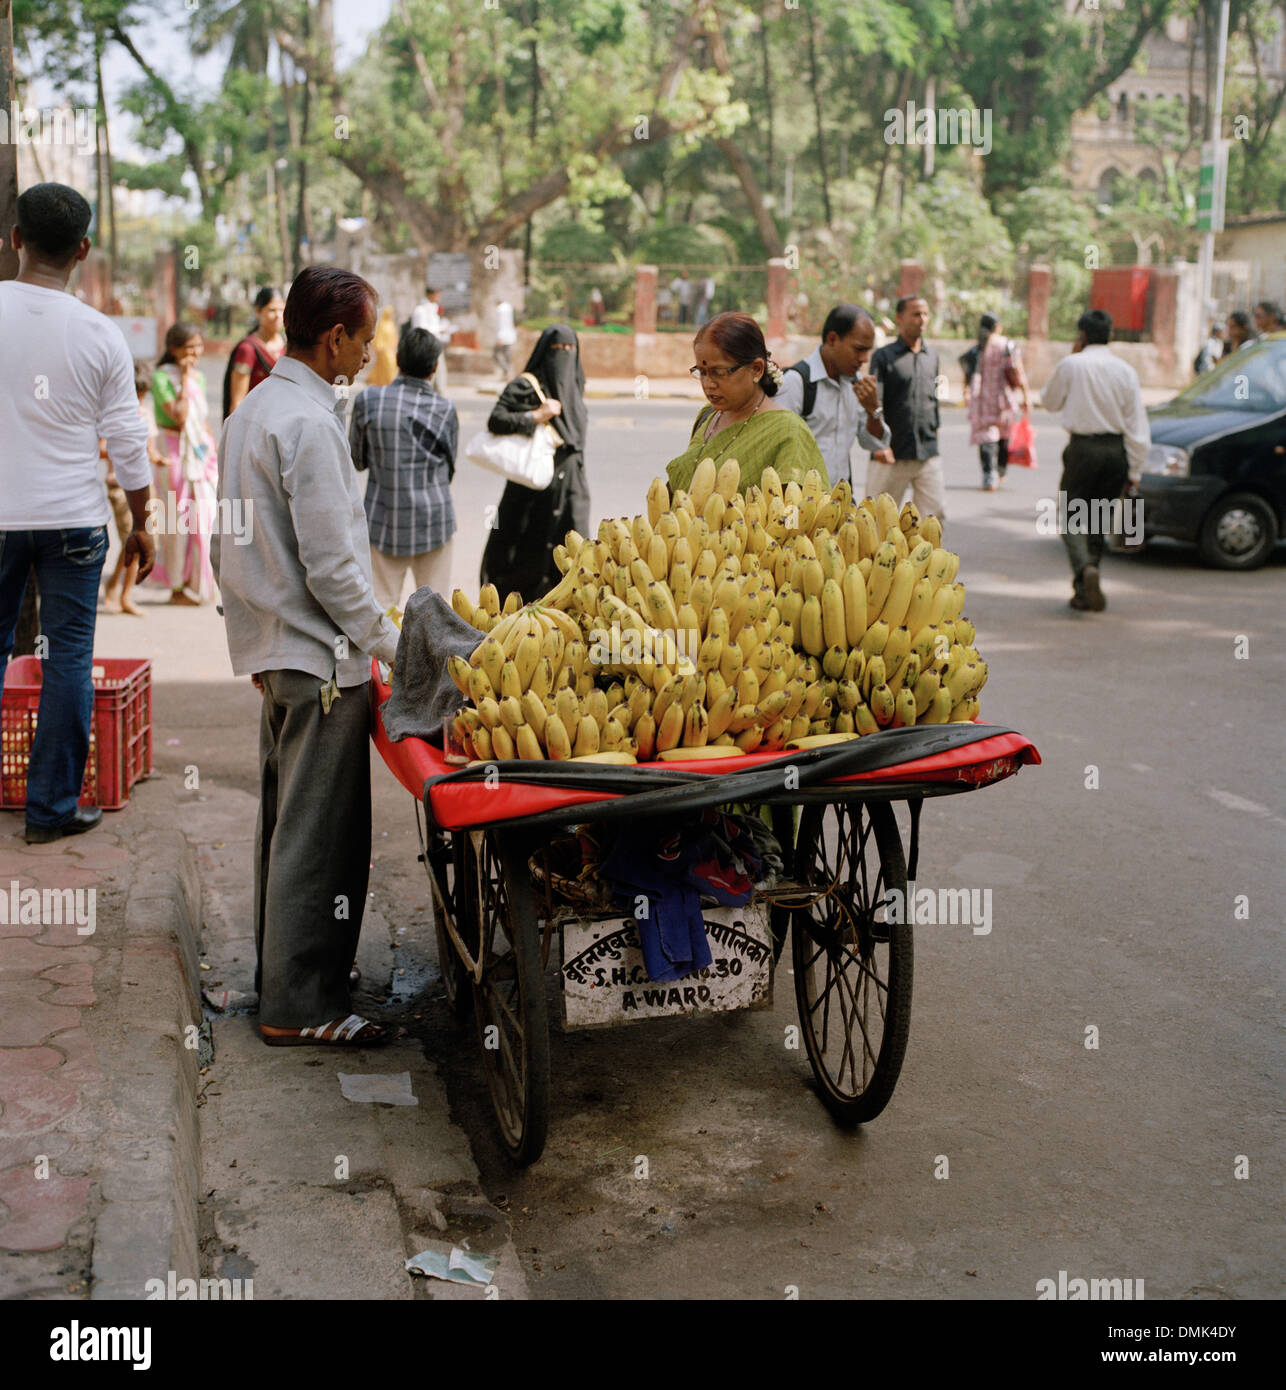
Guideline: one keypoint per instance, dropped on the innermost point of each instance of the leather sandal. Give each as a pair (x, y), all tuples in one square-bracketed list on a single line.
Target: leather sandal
[(353, 1031)]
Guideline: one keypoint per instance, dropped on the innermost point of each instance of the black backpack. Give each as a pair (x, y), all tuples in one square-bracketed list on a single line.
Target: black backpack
[(810, 387)]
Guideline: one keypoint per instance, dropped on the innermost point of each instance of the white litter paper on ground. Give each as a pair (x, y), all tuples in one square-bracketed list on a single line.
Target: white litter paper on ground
[(442, 1261), (382, 1089)]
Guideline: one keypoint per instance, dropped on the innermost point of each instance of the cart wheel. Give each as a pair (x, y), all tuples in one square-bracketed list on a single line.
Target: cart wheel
[(456, 983), (509, 1004), (783, 827), (853, 968)]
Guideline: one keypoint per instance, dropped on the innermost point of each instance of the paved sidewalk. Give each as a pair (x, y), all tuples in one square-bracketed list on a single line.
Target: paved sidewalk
[(99, 1162)]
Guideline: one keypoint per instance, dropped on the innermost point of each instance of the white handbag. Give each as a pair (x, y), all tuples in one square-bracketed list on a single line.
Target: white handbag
[(527, 459)]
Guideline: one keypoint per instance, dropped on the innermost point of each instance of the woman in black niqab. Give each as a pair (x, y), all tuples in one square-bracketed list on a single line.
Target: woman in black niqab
[(519, 550)]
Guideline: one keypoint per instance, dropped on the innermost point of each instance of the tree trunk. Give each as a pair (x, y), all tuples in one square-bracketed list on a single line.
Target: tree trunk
[(24, 636), (104, 161), (173, 111), (99, 171), (817, 113), (768, 106), (904, 86), (533, 125)]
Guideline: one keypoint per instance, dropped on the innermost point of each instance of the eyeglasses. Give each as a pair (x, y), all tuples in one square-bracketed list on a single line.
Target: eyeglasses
[(715, 373)]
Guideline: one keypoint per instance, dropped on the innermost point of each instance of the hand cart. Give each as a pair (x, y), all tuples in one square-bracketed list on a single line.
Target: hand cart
[(484, 826)]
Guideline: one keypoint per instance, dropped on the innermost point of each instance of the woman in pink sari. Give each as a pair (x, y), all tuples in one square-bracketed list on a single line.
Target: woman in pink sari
[(187, 482), (994, 382)]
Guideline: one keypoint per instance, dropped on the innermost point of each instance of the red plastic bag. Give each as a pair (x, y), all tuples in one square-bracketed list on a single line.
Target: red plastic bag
[(1022, 444)]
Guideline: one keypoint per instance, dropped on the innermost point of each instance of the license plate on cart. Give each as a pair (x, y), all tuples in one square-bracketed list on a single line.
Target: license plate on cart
[(605, 982)]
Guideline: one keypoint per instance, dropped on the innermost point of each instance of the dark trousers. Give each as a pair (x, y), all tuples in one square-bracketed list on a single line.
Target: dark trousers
[(1095, 470), (68, 565), (995, 458), (312, 847)]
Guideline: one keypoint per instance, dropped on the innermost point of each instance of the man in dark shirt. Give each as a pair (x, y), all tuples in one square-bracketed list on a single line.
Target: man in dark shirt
[(907, 370)]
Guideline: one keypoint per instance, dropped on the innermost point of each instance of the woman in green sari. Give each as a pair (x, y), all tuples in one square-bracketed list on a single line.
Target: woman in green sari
[(742, 421)]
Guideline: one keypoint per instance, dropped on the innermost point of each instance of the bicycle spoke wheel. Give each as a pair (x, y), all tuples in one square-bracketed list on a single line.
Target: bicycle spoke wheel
[(443, 859), (509, 1002), (853, 967)]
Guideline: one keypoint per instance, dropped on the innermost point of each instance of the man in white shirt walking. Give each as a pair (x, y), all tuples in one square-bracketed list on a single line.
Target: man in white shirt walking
[(1103, 412), (68, 381), (836, 402), (428, 315), (506, 337)]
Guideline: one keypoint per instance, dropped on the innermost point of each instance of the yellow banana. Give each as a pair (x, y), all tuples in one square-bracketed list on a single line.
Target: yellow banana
[(896, 650), (939, 708), (811, 632), (669, 729), (721, 712), (886, 514), (502, 744), (834, 659), (481, 740), (864, 720), (898, 600), (586, 736), (907, 675), (874, 640), (645, 736), (702, 485), (868, 533), (480, 688), (903, 709), (917, 613), (880, 580), (731, 662), (460, 671), (926, 687), (694, 754), (834, 627), (696, 723), (533, 712), (853, 597), (938, 568), (882, 705), (658, 501), (965, 712), (872, 675), (525, 658), (527, 744)]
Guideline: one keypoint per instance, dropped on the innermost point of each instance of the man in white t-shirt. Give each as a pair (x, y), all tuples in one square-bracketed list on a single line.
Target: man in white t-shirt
[(68, 381), (428, 314), (506, 337)]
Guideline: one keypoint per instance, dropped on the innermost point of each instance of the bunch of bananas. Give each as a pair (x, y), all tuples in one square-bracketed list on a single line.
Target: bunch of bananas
[(722, 623)]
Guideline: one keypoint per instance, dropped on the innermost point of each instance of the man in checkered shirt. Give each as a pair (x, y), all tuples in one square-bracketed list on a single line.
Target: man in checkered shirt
[(406, 434)]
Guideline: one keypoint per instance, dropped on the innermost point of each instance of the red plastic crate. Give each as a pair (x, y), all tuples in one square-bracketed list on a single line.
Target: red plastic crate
[(120, 733)]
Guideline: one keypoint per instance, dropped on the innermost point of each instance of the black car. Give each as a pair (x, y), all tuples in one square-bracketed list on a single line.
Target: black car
[(1216, 472)]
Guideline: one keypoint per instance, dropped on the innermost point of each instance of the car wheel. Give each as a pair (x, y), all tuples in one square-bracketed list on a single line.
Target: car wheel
[(1239, 533)]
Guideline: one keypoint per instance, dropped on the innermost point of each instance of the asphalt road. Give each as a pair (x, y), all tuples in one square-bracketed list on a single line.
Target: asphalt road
[(1115, 909)]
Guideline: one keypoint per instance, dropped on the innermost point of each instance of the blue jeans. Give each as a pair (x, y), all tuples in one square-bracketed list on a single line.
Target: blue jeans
[(68, 565)]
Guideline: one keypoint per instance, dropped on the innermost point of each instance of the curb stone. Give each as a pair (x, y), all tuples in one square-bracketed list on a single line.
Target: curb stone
[(150, 1155)]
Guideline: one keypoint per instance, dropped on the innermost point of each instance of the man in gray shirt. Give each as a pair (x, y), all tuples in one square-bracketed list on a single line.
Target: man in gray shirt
[(303, 622)]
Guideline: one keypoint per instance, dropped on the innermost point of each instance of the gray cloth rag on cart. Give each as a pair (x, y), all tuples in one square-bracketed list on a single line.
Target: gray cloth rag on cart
[(423, 693)]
